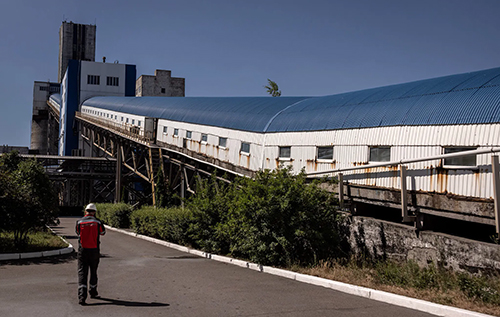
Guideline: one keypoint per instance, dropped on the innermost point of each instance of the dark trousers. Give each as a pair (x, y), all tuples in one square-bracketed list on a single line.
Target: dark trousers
[(87, 259)]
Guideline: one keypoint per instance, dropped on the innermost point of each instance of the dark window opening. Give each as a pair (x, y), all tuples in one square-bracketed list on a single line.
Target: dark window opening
[(380, 154), (469, 160), (325, 152)]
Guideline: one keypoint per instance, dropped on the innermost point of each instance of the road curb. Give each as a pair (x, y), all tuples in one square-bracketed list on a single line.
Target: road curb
[(381, 296), (41, 254)]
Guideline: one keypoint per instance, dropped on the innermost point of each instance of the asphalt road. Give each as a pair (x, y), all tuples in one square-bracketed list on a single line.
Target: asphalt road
[(140, 278)]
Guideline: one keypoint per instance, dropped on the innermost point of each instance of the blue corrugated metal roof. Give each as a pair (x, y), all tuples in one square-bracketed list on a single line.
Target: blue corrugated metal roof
[(241, 113), (56, 98), (470, 98)]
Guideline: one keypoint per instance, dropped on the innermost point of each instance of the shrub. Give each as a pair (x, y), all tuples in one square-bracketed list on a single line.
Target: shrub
[(274, 219), (115, 215), (168, 224)]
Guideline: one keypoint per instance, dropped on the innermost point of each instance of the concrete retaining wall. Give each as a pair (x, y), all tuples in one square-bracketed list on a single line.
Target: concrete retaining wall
[(401, 242)]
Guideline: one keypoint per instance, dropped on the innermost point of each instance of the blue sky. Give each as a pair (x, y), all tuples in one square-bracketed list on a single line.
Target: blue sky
[(231, 47)]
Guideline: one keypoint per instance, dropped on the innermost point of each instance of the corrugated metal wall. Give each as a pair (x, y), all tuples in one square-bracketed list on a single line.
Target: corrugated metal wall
[(351, 148)]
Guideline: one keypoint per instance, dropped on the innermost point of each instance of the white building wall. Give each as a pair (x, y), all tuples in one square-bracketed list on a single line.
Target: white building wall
[(351, 148), (231, 153), (103, 70)]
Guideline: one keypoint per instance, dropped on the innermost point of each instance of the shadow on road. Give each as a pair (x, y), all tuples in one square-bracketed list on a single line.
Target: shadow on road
[(119, 302)]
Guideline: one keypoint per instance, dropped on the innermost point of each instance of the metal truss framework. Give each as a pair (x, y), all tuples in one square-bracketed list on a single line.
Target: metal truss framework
[(142, 162), (79, 180)]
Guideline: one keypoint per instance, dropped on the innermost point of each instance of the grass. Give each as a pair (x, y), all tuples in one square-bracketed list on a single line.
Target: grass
[(37, 241), (434, 284)]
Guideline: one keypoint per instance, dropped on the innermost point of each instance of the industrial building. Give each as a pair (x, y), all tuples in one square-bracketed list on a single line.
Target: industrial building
[(426, 147), (77, 42)]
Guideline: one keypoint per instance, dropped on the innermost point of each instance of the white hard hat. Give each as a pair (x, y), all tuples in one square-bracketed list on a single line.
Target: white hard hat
[(91, 207)]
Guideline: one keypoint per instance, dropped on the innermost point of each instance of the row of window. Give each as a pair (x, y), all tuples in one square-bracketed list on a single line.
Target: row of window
[(96, 80), (383, 154), (110, 116), (51, 88), (245, 147), (376, 153)]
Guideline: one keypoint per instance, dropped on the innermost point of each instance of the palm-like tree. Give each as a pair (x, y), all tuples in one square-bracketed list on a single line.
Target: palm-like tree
[(272, 88)]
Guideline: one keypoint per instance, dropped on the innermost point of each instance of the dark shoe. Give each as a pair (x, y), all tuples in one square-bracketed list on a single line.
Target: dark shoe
[(94, 296), (81, 302)]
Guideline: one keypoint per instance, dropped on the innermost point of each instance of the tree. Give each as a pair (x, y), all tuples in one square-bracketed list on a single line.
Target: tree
[(272, 88), (27, 199), (276, 218)]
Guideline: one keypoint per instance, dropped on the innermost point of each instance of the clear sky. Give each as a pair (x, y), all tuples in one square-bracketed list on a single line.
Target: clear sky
[(231, 47)]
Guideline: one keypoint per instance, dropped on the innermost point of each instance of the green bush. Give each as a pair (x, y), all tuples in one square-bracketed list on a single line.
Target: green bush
[(168, 224), (274, 219), (115, 215)]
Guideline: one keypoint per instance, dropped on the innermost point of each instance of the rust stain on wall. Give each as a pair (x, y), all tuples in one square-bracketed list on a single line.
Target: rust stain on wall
[(442, 179), (312, 165)]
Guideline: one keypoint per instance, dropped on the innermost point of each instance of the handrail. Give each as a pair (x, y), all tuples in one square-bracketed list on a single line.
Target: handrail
[(403, 174), (406, 161), (124, 128)]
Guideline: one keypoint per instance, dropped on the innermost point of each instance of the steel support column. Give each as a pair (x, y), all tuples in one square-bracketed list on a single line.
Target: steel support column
[(404, 197), (118, 181), (341, 190), (496, 191)]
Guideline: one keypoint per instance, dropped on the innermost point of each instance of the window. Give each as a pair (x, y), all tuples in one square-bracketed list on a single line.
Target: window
[(112, 81), (284, 152), (93, 79), (126, 121), (245, 147), (189, 134), (176, 132), (469, 160), (164, 130), (116, 117), (222, 142), (51, 88), (139, 122), (204, 137), (133, 121), (163, 90), (325, 152), (380, 154), (122, 119)]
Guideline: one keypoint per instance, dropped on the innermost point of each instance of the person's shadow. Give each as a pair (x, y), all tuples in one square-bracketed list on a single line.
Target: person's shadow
[(118, 302)]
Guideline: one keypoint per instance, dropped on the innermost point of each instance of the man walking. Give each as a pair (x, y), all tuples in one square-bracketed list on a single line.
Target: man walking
[(88, 229)]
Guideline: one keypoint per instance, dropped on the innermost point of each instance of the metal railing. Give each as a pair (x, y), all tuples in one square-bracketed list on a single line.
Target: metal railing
[(128, 130), (403, 174)]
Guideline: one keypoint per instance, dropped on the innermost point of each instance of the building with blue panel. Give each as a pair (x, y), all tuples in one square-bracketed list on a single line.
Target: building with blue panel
[(83, 80)]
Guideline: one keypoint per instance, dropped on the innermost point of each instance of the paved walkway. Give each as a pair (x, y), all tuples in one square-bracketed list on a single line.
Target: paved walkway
[(140, 278)]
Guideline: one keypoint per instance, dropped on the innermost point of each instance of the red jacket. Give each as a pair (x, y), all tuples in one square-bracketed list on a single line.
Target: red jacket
[(89, 229)]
